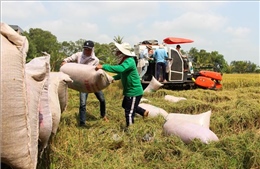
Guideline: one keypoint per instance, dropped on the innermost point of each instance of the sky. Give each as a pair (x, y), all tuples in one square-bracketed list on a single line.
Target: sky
[(229, 27)]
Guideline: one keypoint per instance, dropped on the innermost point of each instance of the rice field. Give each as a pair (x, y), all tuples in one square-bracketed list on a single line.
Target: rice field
[(235, 119)]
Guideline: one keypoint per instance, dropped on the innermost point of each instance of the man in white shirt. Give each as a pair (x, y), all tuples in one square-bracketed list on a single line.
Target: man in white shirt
[(87, 56), (145, 56)]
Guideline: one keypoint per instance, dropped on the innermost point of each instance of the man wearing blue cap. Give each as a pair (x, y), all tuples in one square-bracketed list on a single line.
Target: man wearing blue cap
[(87, 56)]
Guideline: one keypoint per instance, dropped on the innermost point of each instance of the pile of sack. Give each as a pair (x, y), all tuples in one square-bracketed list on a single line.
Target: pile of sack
[(185, 126), (32, 100)]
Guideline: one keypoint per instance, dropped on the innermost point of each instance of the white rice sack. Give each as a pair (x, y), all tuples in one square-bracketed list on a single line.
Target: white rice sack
[(19, 41), (202, 119), (37, 78), (173, 98), (58, 96), (153, 86), (188, 131), (86, 78), (18, 147), (54, 106), (153, 110), (62, 80)]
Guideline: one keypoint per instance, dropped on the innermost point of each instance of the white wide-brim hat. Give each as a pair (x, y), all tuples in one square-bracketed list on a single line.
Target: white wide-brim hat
[(125, 48)]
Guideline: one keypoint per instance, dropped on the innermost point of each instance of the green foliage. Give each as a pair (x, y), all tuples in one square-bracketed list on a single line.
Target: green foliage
[(118, 39), (69, 48), (104, 53), (242, 67), (234, 119), (32, 52), (212, 60), (43, 41)]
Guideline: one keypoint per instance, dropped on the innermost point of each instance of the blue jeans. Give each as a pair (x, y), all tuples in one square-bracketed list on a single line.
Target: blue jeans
[(82, 107)]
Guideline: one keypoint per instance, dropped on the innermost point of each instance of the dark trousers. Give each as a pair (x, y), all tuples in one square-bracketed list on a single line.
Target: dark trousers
[(160, 66), (130, 104)]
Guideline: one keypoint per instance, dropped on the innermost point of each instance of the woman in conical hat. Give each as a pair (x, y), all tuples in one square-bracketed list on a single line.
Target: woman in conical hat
[(132, 88)]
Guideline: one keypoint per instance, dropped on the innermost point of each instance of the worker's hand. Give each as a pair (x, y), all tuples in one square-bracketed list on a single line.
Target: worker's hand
[(99, 66), (113, 80), (62, 63)]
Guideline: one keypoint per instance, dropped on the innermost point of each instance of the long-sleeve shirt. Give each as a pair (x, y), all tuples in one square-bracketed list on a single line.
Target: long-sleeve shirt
[(160, 55), (79, 57), (129, 76), (145, 56)]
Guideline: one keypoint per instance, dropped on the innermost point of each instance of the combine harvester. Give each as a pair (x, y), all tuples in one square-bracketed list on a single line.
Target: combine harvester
[(178, 77)]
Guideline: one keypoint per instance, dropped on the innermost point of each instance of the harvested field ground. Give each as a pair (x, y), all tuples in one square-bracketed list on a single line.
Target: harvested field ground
[(235, 119)]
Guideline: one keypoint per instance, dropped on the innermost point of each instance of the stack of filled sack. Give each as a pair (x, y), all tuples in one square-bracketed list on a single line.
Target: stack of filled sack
[(32, 100)]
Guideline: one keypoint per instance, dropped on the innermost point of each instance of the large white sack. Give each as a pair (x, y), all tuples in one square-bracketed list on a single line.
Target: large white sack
[(153, 110), (187, 131), (173, 98), (62, 80), (37, 71), (58, 96), (19, 41), (202, 119), (54, 106), (153, 86), (18, 146), (86, 78)]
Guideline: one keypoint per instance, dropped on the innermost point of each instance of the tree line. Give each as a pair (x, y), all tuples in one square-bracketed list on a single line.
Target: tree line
[(44, 41)]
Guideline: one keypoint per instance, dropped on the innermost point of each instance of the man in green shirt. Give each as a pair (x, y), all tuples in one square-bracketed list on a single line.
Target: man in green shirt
[(132, 88)]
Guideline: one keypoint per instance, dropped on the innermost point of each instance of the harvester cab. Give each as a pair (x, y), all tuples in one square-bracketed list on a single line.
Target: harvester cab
[(179, 70)]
